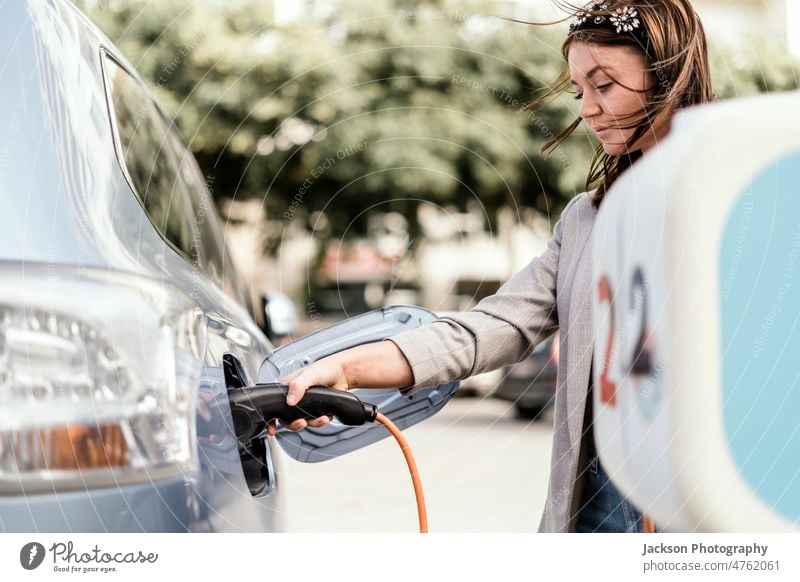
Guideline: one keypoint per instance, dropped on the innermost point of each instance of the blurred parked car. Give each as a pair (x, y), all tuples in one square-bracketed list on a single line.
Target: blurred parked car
[(353, 278), (280, 317), (480, 385), (531, 384), (123, 325)]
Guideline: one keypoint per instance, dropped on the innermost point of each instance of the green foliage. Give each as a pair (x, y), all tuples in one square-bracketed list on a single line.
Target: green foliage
[(436, 98), (754, 68), (383, 105)]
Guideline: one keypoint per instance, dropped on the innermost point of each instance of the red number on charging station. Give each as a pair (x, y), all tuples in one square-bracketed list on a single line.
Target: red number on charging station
[(608, 389)]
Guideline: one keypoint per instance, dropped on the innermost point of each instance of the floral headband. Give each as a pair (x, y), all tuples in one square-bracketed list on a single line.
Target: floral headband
[(621, 20)]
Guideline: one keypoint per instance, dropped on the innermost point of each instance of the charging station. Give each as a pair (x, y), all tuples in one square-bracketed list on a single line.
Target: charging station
[(696, 307)]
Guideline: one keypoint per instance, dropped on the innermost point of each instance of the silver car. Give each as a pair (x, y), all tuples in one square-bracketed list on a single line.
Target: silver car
[(123, 326)]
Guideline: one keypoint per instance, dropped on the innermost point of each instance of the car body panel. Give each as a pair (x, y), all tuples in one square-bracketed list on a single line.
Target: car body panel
[(71, 209), (68, 203)]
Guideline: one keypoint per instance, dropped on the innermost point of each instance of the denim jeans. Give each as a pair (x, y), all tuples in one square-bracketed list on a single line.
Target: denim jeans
[(603, 508)]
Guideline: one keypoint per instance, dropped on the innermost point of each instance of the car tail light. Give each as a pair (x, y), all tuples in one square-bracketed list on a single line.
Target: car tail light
[(97, 379)]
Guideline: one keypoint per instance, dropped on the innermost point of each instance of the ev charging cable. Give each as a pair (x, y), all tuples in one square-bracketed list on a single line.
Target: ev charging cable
[(253, 407)]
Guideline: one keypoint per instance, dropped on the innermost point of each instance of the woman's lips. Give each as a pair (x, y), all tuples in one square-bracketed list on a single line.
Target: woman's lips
[(602, 131)]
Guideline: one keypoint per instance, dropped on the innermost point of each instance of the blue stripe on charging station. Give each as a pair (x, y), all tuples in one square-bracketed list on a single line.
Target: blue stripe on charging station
[(760, 319)]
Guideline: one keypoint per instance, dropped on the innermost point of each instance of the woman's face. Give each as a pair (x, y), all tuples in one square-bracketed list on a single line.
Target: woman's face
[(606, 80)]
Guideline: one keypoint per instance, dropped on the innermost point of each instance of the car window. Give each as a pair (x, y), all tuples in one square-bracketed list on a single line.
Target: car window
[(150, 161), (211, 245), (215, 260), (167, 180)]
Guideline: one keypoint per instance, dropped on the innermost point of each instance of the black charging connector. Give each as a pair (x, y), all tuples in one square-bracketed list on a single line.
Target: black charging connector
[(252, 407)]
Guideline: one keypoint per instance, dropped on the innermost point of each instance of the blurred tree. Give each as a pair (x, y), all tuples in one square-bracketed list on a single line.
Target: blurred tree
[(753, 68), (385, 104)]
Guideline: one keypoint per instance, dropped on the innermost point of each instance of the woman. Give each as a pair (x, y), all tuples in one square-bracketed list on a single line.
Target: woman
[(632, 65)]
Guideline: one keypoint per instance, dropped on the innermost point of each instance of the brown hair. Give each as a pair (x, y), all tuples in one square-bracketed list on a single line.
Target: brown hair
[(676, 56)]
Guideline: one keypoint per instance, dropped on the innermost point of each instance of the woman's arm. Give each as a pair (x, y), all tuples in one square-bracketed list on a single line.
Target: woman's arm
[(501, 330), (375, 365)]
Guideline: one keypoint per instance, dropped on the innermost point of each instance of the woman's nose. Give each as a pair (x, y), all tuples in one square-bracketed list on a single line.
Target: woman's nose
[(589, 106)]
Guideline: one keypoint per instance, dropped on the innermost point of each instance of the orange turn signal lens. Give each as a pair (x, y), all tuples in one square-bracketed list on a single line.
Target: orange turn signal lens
[(76, 447)]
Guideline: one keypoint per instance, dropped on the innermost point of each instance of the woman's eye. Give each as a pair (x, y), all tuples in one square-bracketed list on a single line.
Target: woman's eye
[(600, 89)]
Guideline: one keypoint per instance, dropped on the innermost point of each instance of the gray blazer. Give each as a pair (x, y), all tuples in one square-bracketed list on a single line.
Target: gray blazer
[(553, 291)]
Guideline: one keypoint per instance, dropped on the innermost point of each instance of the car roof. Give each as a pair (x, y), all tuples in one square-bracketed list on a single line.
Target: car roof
[(65, 197)]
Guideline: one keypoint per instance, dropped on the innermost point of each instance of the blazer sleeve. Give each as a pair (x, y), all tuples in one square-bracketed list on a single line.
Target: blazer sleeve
[(500, 330)]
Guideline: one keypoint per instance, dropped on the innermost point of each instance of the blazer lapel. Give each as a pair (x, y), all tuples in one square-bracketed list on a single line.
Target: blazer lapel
[(580, 325)]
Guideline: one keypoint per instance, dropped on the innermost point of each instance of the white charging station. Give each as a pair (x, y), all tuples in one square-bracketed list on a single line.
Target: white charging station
[(696, 307)]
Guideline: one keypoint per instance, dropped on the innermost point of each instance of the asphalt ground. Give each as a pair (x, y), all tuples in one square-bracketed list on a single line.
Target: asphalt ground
[(482, 470)]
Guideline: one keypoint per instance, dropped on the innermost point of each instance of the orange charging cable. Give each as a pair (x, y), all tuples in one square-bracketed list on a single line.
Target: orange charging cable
[(649, 524), (412, 466)]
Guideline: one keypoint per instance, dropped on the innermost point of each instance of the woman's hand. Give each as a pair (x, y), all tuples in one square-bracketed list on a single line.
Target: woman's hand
[(329, 372), (376, 365)]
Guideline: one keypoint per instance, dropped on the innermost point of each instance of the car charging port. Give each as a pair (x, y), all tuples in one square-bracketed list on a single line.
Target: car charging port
[(252, 407)]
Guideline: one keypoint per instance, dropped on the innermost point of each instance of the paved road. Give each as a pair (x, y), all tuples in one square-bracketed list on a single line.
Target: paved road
[(483, 470)]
